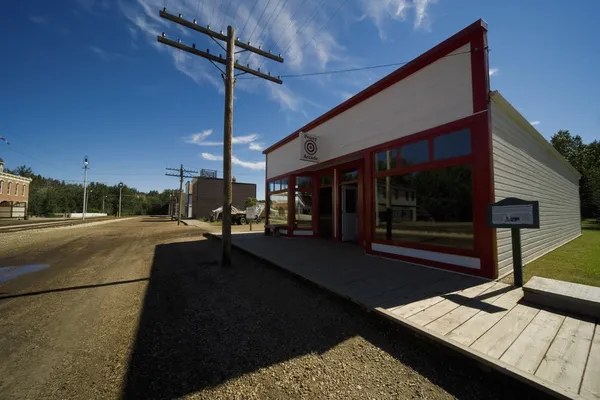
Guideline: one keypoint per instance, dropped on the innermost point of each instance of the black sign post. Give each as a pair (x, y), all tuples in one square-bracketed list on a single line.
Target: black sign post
[(515, 214)]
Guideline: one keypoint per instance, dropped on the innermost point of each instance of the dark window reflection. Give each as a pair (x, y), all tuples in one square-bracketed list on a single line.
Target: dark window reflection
[(415, 153), (326, 180), (453, 144), (433, 207), (303, 210), (351, 175), (385, 160), (303, 182)]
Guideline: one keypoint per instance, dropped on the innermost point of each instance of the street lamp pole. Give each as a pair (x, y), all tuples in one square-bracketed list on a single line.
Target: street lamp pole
[(120, 191), (85, 168)]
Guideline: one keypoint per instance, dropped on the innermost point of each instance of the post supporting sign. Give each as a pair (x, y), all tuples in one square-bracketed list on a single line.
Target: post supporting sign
[(515, 214), (309, 149)]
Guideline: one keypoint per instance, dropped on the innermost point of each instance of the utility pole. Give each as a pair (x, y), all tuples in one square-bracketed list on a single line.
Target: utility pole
[(181, 175), (120, 196), (231, 64), (85, 168)]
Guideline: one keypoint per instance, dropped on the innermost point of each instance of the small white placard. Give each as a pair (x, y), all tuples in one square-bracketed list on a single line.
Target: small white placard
[(513, 215), (309, 149)]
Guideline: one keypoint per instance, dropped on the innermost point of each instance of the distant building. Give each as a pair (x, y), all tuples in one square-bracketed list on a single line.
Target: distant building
[(207, 194), (14, 194)]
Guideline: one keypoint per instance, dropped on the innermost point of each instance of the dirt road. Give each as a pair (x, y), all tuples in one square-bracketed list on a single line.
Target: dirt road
[(141, 309)]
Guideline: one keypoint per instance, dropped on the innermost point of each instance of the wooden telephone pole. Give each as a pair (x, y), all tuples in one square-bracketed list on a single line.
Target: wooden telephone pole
[(229, 79), (181, 175)]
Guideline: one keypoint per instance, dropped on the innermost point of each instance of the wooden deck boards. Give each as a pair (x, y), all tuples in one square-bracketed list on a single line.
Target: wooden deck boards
[(486, 320), (566, 358)]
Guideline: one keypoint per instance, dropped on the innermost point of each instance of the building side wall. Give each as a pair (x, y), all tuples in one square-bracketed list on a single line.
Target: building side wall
[(208, 195), (12, 197), (526, 169), (436, 94)]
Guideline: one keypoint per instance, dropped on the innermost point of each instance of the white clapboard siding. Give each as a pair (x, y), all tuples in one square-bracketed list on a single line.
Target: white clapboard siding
[(527, 168), (436, 94)]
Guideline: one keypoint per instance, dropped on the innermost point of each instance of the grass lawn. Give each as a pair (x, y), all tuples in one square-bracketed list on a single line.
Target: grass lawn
[(577, 261)]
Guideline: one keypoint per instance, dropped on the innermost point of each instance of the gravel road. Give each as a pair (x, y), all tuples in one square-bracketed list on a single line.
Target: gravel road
[(141, 309)]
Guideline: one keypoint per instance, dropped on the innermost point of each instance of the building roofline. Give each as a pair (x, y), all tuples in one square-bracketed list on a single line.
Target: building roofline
[(497, 98), (198, 178), (13, 176), (418, 63)]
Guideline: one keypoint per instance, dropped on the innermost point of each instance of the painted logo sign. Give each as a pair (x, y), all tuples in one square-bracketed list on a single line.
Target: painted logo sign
[(309, 149)]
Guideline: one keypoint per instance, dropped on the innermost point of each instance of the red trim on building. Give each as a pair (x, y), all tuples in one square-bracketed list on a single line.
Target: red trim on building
[(447, 46)]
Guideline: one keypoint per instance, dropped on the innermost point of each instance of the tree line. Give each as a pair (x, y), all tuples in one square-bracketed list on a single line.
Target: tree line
[(50, 197), (586, 159)]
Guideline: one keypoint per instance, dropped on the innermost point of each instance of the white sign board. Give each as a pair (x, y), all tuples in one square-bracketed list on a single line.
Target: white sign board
[(513, 215), (309, 149)]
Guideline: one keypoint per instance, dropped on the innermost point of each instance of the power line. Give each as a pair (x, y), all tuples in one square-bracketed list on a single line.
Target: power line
[(340, 71), (289, 24), (269, 20), (312, 16), (248, 19), (318, 32), (258, 22)]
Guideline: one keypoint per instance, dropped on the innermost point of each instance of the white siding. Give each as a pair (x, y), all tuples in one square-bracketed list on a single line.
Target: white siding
[(435, 95), (525, 168)]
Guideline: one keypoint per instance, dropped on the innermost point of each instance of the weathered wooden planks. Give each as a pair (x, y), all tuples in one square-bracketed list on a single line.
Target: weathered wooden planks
[(527, 351), (471, 330), (565, 360), (458, 316), (496, 340), (445, 306), (590, 386)]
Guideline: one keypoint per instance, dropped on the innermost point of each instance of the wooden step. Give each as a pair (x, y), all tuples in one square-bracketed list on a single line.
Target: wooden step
[(563, 296)]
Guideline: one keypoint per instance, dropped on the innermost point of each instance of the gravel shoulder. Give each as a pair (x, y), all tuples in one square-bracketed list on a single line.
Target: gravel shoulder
[(142, 309)]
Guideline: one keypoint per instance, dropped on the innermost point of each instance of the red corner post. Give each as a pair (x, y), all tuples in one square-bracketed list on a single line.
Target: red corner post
[(485, 237)]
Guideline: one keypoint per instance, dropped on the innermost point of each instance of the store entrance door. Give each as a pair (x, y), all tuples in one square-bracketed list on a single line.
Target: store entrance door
[(349, 213)]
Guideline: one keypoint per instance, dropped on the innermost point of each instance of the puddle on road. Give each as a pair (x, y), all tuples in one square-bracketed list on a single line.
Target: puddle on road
[(8, 273)]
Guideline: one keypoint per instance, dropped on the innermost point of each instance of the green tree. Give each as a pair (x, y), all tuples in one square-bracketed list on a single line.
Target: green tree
[(250, 202), (586, 159)]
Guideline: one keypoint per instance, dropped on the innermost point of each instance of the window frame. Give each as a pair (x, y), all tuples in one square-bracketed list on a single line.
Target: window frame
[(431, 164)]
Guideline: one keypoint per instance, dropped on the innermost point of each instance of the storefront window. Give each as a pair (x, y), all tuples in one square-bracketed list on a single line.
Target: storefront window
[(350, 175), (278, 209), (453, 144), (437, 208), (280, 184), (414, 153), (385, 160), (303, 210), (303, 182)]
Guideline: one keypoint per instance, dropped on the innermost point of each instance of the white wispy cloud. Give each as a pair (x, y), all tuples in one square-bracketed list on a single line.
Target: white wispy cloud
[(37, 19), (200, 139), (494, 71), (302, 30), (255, 165), (256, 146), (534, 123), (105, 55), (384, 12)]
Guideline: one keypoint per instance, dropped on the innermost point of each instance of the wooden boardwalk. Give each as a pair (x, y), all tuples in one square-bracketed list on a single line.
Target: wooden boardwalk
[(487, 321)]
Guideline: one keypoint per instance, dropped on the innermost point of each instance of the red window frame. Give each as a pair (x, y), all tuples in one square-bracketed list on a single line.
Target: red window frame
[(431, 164)]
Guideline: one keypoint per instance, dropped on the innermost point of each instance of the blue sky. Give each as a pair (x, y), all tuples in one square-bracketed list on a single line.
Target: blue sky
[(87, 77)]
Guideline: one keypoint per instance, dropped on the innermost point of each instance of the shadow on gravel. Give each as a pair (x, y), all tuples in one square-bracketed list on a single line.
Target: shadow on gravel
[(203, 325)]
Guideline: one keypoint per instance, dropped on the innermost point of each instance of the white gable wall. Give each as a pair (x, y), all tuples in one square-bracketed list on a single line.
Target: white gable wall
[(435, 95), (526, 169)]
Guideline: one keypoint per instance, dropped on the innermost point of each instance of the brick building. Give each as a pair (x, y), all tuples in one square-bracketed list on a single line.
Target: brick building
[(14, 194), (207, 194)]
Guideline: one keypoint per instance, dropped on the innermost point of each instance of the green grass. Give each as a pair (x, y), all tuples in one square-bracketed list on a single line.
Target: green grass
[(577, 261)]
